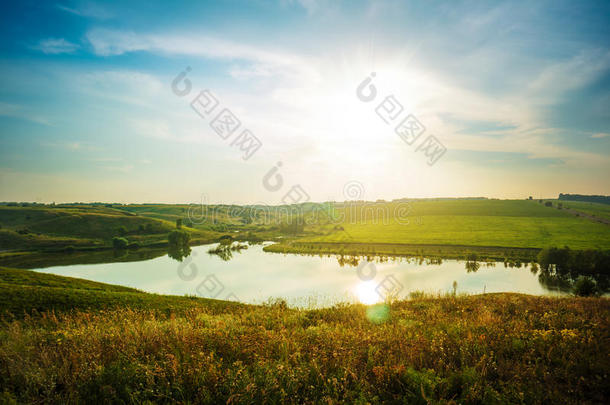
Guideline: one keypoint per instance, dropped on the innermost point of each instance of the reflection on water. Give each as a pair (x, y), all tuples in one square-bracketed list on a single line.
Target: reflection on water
[(306, 281), (225, 250), (179, 252)]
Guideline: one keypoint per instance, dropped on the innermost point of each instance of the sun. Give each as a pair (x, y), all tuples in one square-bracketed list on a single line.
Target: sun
[(366, 294)]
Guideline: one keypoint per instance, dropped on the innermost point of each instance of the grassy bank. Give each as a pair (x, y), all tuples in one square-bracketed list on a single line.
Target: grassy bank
[(27, 293), (494, 348)]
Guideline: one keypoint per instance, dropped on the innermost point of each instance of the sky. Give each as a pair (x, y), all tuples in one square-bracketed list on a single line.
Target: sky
[(511, 99)]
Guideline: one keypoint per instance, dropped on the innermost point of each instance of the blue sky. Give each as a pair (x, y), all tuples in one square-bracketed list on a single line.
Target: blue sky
[(517, 93)]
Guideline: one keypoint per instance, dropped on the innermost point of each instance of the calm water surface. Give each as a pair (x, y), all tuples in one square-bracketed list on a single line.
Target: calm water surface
[(254, 276)]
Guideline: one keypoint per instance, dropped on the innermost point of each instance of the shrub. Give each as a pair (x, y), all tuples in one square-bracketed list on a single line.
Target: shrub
[(119, 242), (585, 286), (122, 231), (548, 204), (226, 239)]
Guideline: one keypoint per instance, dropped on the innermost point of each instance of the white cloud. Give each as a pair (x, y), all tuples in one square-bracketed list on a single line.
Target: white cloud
[(55, 46)]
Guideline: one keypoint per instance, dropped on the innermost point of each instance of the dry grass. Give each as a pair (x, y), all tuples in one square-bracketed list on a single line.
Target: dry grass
[(496, 348)]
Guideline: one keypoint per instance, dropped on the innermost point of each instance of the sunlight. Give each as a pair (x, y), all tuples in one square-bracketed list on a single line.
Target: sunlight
[(366, 294)]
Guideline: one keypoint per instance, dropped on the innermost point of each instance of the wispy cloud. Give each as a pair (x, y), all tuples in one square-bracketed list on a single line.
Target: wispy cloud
[(555, 80), (71, 146), (120, 169), (55, 46), (22, 112), (600, 135), (87, 9), (263, 60)]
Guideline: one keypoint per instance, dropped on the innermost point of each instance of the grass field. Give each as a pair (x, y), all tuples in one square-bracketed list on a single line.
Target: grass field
[(73, 341), (499, 223), (595, 209)]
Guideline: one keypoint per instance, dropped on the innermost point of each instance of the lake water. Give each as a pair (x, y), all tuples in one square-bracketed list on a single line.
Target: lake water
[(254, 276)]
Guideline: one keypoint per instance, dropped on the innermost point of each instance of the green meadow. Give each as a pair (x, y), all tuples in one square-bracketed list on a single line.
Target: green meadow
[(482, 223)]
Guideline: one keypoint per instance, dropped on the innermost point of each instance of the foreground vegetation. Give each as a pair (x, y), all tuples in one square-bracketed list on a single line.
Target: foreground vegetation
[(493, 348)]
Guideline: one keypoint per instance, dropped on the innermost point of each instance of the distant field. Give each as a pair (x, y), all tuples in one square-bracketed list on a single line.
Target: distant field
[(449, 222), (599, 210), (517, 223)]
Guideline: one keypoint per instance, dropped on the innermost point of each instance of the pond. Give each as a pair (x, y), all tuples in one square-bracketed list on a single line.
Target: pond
[(253, 276)]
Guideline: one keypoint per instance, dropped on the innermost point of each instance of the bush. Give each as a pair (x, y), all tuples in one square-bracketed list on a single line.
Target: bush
[(548, 204), (119, 242), (122, 231), (585, 286)]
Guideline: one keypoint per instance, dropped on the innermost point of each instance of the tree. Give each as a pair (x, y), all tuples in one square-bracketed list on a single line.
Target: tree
[(179, 223), (122, 231), (548, 204), (179, 237)]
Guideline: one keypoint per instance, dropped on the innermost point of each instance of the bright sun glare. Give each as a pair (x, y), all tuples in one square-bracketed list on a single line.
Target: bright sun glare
[(366, 294)]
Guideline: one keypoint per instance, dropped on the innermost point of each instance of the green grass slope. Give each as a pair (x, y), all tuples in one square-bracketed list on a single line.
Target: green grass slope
[(26, 292), (48, 226)]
